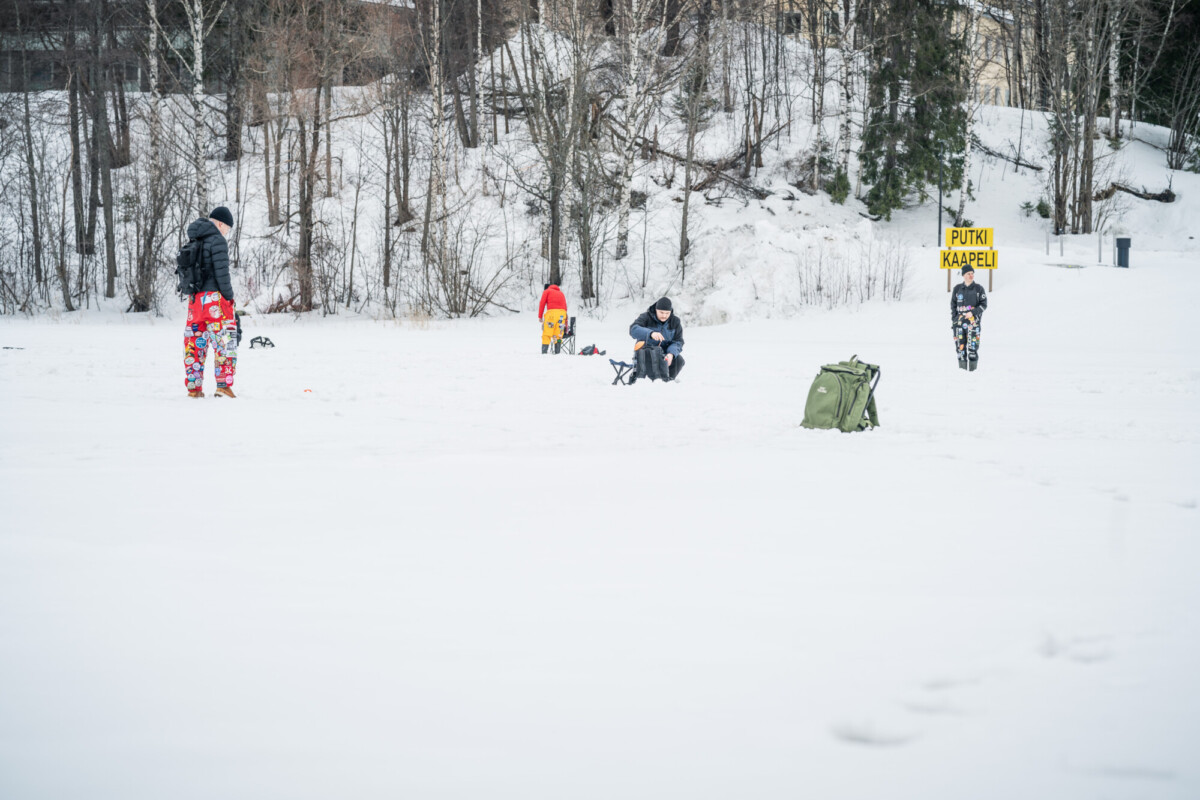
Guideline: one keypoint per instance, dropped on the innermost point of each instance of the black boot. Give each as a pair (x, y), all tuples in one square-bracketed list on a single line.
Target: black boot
[(557, 347), (962, 363), (972, 364), (545, 349)]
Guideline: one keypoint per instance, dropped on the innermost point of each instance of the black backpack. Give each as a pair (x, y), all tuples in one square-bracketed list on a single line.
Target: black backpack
[(651, 362), (189, 267)]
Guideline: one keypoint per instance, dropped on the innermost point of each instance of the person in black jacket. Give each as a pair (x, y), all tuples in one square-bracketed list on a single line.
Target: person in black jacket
[(211, 318), (658, 326), (968, 301)]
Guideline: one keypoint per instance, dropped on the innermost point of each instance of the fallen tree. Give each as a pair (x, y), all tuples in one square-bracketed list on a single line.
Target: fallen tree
[(983, 148), (1165, 196)]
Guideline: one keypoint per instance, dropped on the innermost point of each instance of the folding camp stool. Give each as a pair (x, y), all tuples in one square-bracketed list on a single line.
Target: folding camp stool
[(622, 369)]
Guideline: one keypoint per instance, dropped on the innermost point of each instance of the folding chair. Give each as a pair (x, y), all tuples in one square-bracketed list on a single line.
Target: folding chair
[(622, 369), (568, 338)]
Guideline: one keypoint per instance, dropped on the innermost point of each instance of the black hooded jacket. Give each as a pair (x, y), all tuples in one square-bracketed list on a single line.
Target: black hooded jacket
[(672, 330), (965, 299), (214, 255)]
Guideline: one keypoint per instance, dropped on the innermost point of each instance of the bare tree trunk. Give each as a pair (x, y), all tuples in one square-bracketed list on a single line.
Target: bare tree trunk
[(389, 146), (144, 286), (94, 144), (847, 76), (1114, 71), (633, 114), (969, 50), (104, 150), (329, 140), (310, 149), (673, 18), (405, 209), (196, 23), (726, 65), (435, 160), (472, 78), (74, 112), (817, 40), (271, 189), (695, 98), (235, 92), (30, 165), (121, 154)]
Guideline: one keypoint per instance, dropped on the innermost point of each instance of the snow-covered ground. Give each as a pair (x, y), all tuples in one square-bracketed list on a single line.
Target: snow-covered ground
[(424, 561), (420, 560)]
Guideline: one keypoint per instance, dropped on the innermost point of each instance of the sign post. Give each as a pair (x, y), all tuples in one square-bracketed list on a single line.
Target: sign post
[(988, 259)]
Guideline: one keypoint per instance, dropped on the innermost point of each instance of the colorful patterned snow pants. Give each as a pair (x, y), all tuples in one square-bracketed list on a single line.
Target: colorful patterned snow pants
[(966, 339), (554, 324), (210, 321)]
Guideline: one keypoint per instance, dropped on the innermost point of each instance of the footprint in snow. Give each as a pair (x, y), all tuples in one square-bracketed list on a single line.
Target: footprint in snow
[(1080, 649), (1132, 772), (944, 684), (934, 708), (866, 733)]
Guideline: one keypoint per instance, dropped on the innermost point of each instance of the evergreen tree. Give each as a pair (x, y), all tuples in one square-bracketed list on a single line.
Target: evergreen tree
[(915, 91)]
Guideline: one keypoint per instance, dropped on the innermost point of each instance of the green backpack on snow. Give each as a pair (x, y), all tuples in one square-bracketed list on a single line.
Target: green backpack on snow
[(843, 397)]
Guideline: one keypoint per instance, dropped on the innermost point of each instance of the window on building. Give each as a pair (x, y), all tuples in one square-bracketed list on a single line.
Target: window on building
[(792, 23), (831, 24)]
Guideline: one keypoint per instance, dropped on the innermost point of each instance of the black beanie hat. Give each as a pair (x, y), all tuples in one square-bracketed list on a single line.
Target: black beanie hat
[(967, 269), (545, 286), (663, 304), (222, 214)]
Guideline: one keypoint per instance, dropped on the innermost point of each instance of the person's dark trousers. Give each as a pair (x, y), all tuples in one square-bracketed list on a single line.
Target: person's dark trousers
[(676, 366)]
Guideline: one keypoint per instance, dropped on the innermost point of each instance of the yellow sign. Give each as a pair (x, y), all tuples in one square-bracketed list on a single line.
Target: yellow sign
[(969, 237), (976, 259)]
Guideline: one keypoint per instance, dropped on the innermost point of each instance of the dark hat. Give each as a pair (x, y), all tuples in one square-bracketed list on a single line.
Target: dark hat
[(663, 304), (222, 214), (545, 286), (967, 269)]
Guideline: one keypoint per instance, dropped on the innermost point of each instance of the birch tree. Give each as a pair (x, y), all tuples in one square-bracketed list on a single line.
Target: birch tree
[(971, 67), (201, 17), (849, 77)]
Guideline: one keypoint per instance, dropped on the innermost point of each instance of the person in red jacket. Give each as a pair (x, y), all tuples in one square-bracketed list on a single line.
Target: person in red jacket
[(552, 313)]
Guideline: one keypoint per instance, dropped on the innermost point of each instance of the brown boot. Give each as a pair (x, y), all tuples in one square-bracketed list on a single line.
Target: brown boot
[(224, 391), (196, 393)]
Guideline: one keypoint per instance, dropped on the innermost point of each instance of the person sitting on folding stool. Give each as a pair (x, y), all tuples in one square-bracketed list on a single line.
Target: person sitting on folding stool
[(658, 326), (552, 312)]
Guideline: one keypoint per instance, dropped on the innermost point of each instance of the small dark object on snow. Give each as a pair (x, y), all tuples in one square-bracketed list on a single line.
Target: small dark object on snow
[(592, 350), (261, 341), (237, 316), (11, 348)]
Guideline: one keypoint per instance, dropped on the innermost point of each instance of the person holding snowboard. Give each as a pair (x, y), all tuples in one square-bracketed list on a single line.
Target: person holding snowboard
[(658, 326), (968, 301), (211, 318), (552, 313)]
